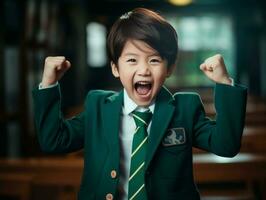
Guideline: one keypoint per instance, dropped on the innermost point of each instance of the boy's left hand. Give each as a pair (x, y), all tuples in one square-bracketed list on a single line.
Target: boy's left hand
[(215, 69)]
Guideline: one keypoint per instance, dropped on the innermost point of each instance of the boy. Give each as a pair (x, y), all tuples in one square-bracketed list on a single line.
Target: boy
[(127, 153)]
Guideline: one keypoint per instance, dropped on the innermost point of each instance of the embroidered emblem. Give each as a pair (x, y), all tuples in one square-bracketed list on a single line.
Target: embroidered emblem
[(174, 136)]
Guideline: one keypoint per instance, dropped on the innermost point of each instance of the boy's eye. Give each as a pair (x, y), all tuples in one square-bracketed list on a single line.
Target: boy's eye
[(131, 60), (155, 60)]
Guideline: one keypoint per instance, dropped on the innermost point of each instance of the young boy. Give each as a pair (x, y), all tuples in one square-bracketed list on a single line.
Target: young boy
[(129, 154)]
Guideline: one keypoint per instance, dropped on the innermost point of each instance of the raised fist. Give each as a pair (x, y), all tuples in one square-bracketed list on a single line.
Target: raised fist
[(54, 69), (215, 69)]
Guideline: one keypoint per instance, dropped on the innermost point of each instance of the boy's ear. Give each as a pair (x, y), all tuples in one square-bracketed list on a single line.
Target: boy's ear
[(170, 70), (115, 71)]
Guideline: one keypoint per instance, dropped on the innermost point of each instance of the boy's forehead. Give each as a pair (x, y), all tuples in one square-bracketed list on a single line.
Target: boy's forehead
[(133, 47)]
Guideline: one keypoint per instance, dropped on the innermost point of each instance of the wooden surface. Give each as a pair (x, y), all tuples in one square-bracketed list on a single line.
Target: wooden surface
[(243, 167), (66, 172), (254, 140), (19, 177), (50, 171), (246, 168)]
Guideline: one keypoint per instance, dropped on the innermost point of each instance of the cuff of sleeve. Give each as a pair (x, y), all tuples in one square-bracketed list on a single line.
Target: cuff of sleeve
[(47, 87), (232, 82)]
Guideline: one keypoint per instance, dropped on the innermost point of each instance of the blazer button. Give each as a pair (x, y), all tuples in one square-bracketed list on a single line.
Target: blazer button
[(109, 196), (113, 174)]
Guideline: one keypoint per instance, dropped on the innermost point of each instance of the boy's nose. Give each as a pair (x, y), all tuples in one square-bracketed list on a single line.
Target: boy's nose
[(144, 70)]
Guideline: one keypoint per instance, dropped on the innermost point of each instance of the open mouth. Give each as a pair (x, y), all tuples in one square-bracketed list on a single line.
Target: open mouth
[(143, 87)]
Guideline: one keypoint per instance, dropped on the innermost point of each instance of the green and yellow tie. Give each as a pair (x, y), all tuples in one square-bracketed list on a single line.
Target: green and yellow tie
[(136, 187)]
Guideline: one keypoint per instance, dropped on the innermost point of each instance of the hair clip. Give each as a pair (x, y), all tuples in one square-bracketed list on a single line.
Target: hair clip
[(126, 15)]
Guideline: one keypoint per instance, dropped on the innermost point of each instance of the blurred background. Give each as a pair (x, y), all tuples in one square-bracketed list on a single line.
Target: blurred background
[(77, 29)]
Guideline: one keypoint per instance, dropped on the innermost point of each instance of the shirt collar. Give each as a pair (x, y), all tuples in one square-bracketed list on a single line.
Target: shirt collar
[(130, 105)]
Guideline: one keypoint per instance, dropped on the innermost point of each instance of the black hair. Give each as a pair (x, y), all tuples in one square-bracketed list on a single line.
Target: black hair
[(147, 26)]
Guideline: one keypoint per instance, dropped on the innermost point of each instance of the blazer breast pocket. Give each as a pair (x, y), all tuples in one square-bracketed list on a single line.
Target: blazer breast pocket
[(175, 140)]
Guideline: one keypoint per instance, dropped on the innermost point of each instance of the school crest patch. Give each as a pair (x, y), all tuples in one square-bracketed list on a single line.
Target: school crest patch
[(174, 136)]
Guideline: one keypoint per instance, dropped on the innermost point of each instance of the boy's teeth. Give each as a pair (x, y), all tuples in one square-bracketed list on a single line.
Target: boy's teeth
[(143, 82)]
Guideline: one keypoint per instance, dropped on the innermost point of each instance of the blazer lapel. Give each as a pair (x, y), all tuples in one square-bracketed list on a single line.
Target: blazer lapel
[(163, 112), (111, 119)]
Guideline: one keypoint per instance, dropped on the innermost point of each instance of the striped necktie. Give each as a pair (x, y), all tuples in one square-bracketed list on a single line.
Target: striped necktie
[(136, 187)]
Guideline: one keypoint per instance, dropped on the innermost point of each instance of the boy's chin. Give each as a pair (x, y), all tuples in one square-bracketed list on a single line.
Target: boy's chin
[(143, 104)]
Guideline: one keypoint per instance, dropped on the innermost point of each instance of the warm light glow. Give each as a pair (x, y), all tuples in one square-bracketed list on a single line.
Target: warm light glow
[(180, 2)]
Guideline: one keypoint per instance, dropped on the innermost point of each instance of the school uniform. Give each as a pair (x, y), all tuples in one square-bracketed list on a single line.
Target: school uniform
[(178, 124)]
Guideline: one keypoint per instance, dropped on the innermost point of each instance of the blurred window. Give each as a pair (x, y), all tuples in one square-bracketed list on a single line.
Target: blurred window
[(96, 45), (201, 36)]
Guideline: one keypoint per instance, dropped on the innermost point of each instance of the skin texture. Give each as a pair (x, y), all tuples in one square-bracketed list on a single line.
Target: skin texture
[(138, 63)]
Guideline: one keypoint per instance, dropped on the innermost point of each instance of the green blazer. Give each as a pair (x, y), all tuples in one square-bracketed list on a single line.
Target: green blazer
[(178, 124)]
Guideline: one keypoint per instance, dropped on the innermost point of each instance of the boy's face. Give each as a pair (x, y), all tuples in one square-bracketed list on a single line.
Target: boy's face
[(142, 71)]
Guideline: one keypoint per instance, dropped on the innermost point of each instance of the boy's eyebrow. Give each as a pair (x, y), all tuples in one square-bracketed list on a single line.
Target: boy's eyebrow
[(135, 54), (130, 54)]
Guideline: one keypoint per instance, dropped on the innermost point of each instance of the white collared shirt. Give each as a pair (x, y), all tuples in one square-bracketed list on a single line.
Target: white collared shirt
[(127, 128)]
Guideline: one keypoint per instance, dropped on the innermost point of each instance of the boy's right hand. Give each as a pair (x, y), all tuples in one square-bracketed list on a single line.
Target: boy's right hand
[(54, 69)]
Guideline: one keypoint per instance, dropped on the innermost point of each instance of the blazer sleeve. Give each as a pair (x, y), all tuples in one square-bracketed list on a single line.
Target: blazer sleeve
[(55, 134), (223, 135)]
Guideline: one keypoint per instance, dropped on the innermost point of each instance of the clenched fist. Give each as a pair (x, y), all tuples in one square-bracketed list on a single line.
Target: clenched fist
[(54, 69), (215, 69)]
